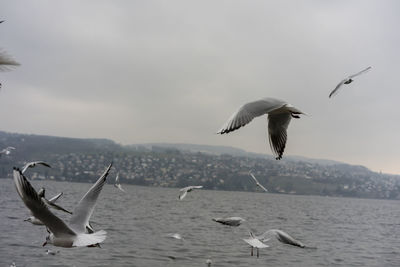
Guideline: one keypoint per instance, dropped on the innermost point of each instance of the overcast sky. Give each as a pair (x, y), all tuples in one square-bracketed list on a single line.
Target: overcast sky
[(174, 71)]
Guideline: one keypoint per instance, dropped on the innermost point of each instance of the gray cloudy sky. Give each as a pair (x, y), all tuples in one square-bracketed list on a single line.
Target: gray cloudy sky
[(174, 71)]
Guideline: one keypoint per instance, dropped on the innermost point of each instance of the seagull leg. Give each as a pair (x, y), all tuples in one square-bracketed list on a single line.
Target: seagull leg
[(251, 254), (258, 254)]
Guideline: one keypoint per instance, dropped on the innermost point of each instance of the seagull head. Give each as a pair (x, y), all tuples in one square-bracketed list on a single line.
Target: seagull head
[(29, 219)]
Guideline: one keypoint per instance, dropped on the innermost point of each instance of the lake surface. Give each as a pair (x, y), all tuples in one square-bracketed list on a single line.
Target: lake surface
[(344, 231)]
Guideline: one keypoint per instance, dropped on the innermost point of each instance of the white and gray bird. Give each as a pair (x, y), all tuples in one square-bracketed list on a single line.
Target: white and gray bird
[(281, 236), (61, 234), (231, 221), (257, 183), (279, 115), (187, 189), (117, 184), (33, 164), (7, 150), (256, 243), (347, 81)]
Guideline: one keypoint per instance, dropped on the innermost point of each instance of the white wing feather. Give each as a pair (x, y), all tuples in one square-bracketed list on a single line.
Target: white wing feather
[(85, 207), (277, 132), (249, 111)]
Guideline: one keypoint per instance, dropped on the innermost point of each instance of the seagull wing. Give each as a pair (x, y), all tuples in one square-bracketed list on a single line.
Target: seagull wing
[(277, 126), (37, 207), (33, 164), (248, 112), (55, 198), (359, 73), (83, 211), (55, 206), (197, 186), (262, 187), (287, 239), (183, 195), (256, 243), (41, 192), (120, 187), (185, 188), (254, 178), (335, 91), (6, 61)]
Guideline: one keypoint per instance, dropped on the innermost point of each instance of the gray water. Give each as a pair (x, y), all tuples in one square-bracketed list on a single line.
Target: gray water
[(344, 231)]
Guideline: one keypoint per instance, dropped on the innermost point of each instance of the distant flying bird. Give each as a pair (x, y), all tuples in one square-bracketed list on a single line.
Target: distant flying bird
[(257, 183), (33, 164), (282, 237), (6, 150), (255, 243), (61, 234), (347, 81), (187, 189), (231, 221), (7, 62), (279, 116), (117, 184)]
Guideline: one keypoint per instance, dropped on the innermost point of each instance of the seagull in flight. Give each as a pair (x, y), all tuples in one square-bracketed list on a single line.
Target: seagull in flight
[(231, 221), (7, 150), (62, 234), (281, 236), (347, 81), (279, 115), (117, 184), (33, 164), (187, 189), (7, 62), (257, 183)]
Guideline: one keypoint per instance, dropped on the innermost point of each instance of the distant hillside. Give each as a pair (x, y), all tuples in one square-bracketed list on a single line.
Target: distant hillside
[(178, 165), (220, 150)]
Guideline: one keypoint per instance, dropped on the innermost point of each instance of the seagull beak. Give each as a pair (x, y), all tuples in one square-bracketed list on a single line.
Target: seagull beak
[(45, 243), (26, 220)]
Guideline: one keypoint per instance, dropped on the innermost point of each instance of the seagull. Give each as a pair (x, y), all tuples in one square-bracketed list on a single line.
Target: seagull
[(117, 184), (255, 243), (174, 235), (231, 221), (208, 262), (50, 252), (187, 189), (7, 150), (282, 237), (347, 81), (279, 114), (61, 234), (7, 62), (257, 183), (33, 164), (51, 203)]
